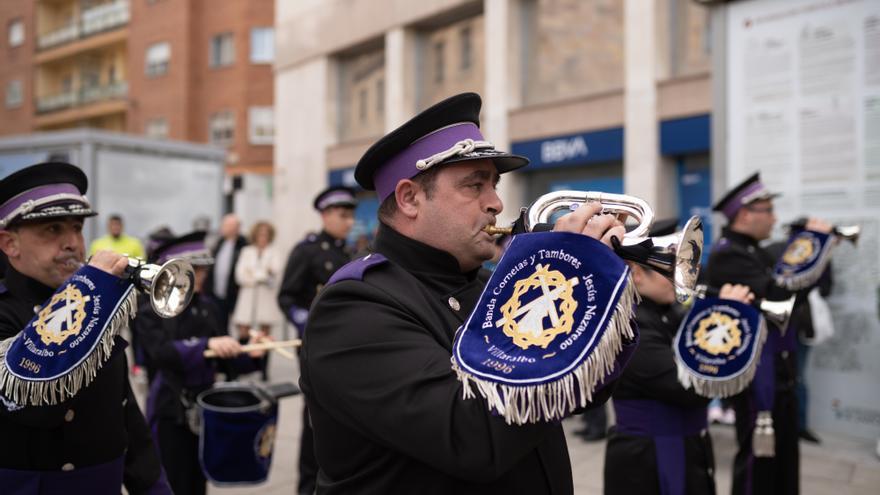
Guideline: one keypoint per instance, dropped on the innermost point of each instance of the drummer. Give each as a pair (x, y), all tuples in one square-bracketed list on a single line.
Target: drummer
[(175, 348)]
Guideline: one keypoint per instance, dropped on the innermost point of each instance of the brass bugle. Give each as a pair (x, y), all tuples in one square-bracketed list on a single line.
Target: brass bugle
[(676, 256), (778, 312), (850, 233), (170, 286)]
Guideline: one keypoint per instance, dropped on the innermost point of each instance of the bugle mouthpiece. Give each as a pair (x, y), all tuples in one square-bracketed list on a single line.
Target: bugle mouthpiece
[(493, 230)]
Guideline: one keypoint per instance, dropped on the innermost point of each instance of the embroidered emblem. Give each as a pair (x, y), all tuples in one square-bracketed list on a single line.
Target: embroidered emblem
[(63, 317), (718, 333), (266, 442), (530, 329), (799, 251)]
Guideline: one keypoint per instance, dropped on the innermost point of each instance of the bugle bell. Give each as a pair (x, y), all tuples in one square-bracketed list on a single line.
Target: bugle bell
[(170, 286), (675, 256), (777, 312)]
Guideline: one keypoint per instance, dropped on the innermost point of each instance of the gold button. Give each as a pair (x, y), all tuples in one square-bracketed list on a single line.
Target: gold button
[(68, 467), (68, 416), (453, 303)]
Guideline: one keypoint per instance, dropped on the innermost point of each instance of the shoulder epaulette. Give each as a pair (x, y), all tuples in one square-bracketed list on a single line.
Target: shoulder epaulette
[(356, 269)]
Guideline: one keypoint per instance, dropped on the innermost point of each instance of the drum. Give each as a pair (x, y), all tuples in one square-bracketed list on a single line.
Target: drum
[(237, 432)]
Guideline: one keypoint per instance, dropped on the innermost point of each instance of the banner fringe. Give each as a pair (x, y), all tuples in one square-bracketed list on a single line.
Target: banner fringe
[(723, 388), (51, 392), (555, 400)]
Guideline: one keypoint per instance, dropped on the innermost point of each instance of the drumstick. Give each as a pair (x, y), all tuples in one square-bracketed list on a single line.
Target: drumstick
[(261, 347), (284, 352)]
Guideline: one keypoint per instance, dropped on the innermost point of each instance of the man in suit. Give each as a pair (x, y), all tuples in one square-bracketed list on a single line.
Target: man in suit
[(221, 279)]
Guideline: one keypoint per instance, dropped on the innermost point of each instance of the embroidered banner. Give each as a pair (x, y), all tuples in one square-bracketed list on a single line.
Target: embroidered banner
[(805, 258), (62, 348), (547, 328), (718, 345)]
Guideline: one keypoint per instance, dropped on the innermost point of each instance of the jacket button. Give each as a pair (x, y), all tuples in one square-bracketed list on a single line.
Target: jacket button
[(453, 303), (36, 309), (68, 467), (784, 354), (68, 416)]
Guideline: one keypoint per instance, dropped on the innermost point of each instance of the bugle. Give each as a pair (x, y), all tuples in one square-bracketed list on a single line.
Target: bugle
[(676, 256)]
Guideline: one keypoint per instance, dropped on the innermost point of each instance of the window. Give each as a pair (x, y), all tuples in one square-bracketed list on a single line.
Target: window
[(158, 57), (362, 105), (13, 93), (222, 50), (262, 45), (438, 62), (466, 55), (261, 125), (380, 96), (16, 32), (157, 128), (221, 128)]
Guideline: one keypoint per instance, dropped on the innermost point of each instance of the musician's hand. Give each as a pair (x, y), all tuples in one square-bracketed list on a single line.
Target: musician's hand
[(256, 338), (737, 292), (818, 225), (225, 347), (588, 221), (110, 262)]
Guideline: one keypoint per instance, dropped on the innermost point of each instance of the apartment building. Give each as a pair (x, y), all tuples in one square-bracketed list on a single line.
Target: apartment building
[(190, 70)]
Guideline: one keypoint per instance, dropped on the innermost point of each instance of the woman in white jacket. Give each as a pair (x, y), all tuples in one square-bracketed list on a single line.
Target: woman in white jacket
[(258, 274)]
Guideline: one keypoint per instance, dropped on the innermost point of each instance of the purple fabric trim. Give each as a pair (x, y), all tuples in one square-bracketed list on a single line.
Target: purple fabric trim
[(176, 251), (196, 369), (161, 486), (764, 383), (403, 165), (355, 270), (335, 198), (667, 425), (736, 203), (35, 194), (103, 478)]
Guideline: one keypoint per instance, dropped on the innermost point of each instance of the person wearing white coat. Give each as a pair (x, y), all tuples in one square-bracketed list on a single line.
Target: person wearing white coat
[(258, 273)]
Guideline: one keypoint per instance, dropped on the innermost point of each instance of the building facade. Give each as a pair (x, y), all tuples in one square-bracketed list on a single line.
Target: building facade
[(189, 70), (609, 95)]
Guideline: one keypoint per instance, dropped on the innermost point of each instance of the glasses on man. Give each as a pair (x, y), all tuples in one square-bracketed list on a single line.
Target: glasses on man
[(756, 209)]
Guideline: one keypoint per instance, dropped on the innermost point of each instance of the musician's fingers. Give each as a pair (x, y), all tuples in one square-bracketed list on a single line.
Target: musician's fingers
[(110, 262), (819, 225), (617, 231), (598, 226), (577, 219)]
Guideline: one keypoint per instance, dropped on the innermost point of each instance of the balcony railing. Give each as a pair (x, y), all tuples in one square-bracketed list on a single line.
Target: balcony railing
[(91, 21), (84, 96), (59, 36)]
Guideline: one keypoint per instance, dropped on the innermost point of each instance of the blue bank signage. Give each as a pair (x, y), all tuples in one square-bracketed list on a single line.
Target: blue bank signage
[(574, 149)]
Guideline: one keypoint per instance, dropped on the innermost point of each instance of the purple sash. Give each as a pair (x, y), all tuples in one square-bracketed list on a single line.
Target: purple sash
[(667, 425), (102, 479)]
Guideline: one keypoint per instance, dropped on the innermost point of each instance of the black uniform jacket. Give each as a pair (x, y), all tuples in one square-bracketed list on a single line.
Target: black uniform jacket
[(310, 265), (630, 461), (385, 405), (100, 424), (174, 348)]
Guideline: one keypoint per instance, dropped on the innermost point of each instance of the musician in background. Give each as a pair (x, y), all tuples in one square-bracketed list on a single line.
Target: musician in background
[(175, 348), (661, 427), (310, 265), (738, 258), (801, 323), (98, 440)]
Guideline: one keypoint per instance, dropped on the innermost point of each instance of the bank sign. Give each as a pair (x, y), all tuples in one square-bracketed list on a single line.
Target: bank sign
[(575, 149)]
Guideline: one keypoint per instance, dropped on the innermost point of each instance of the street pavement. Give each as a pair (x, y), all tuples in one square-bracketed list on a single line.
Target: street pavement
[(840, 465)]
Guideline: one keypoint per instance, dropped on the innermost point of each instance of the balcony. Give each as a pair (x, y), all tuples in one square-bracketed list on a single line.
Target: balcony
[(84, 96), (90, 22)]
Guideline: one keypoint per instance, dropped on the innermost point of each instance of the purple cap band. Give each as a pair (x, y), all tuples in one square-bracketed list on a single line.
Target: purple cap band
[(403, 166), (184, 250), (736, 202), (334, 198), (35, 194)]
